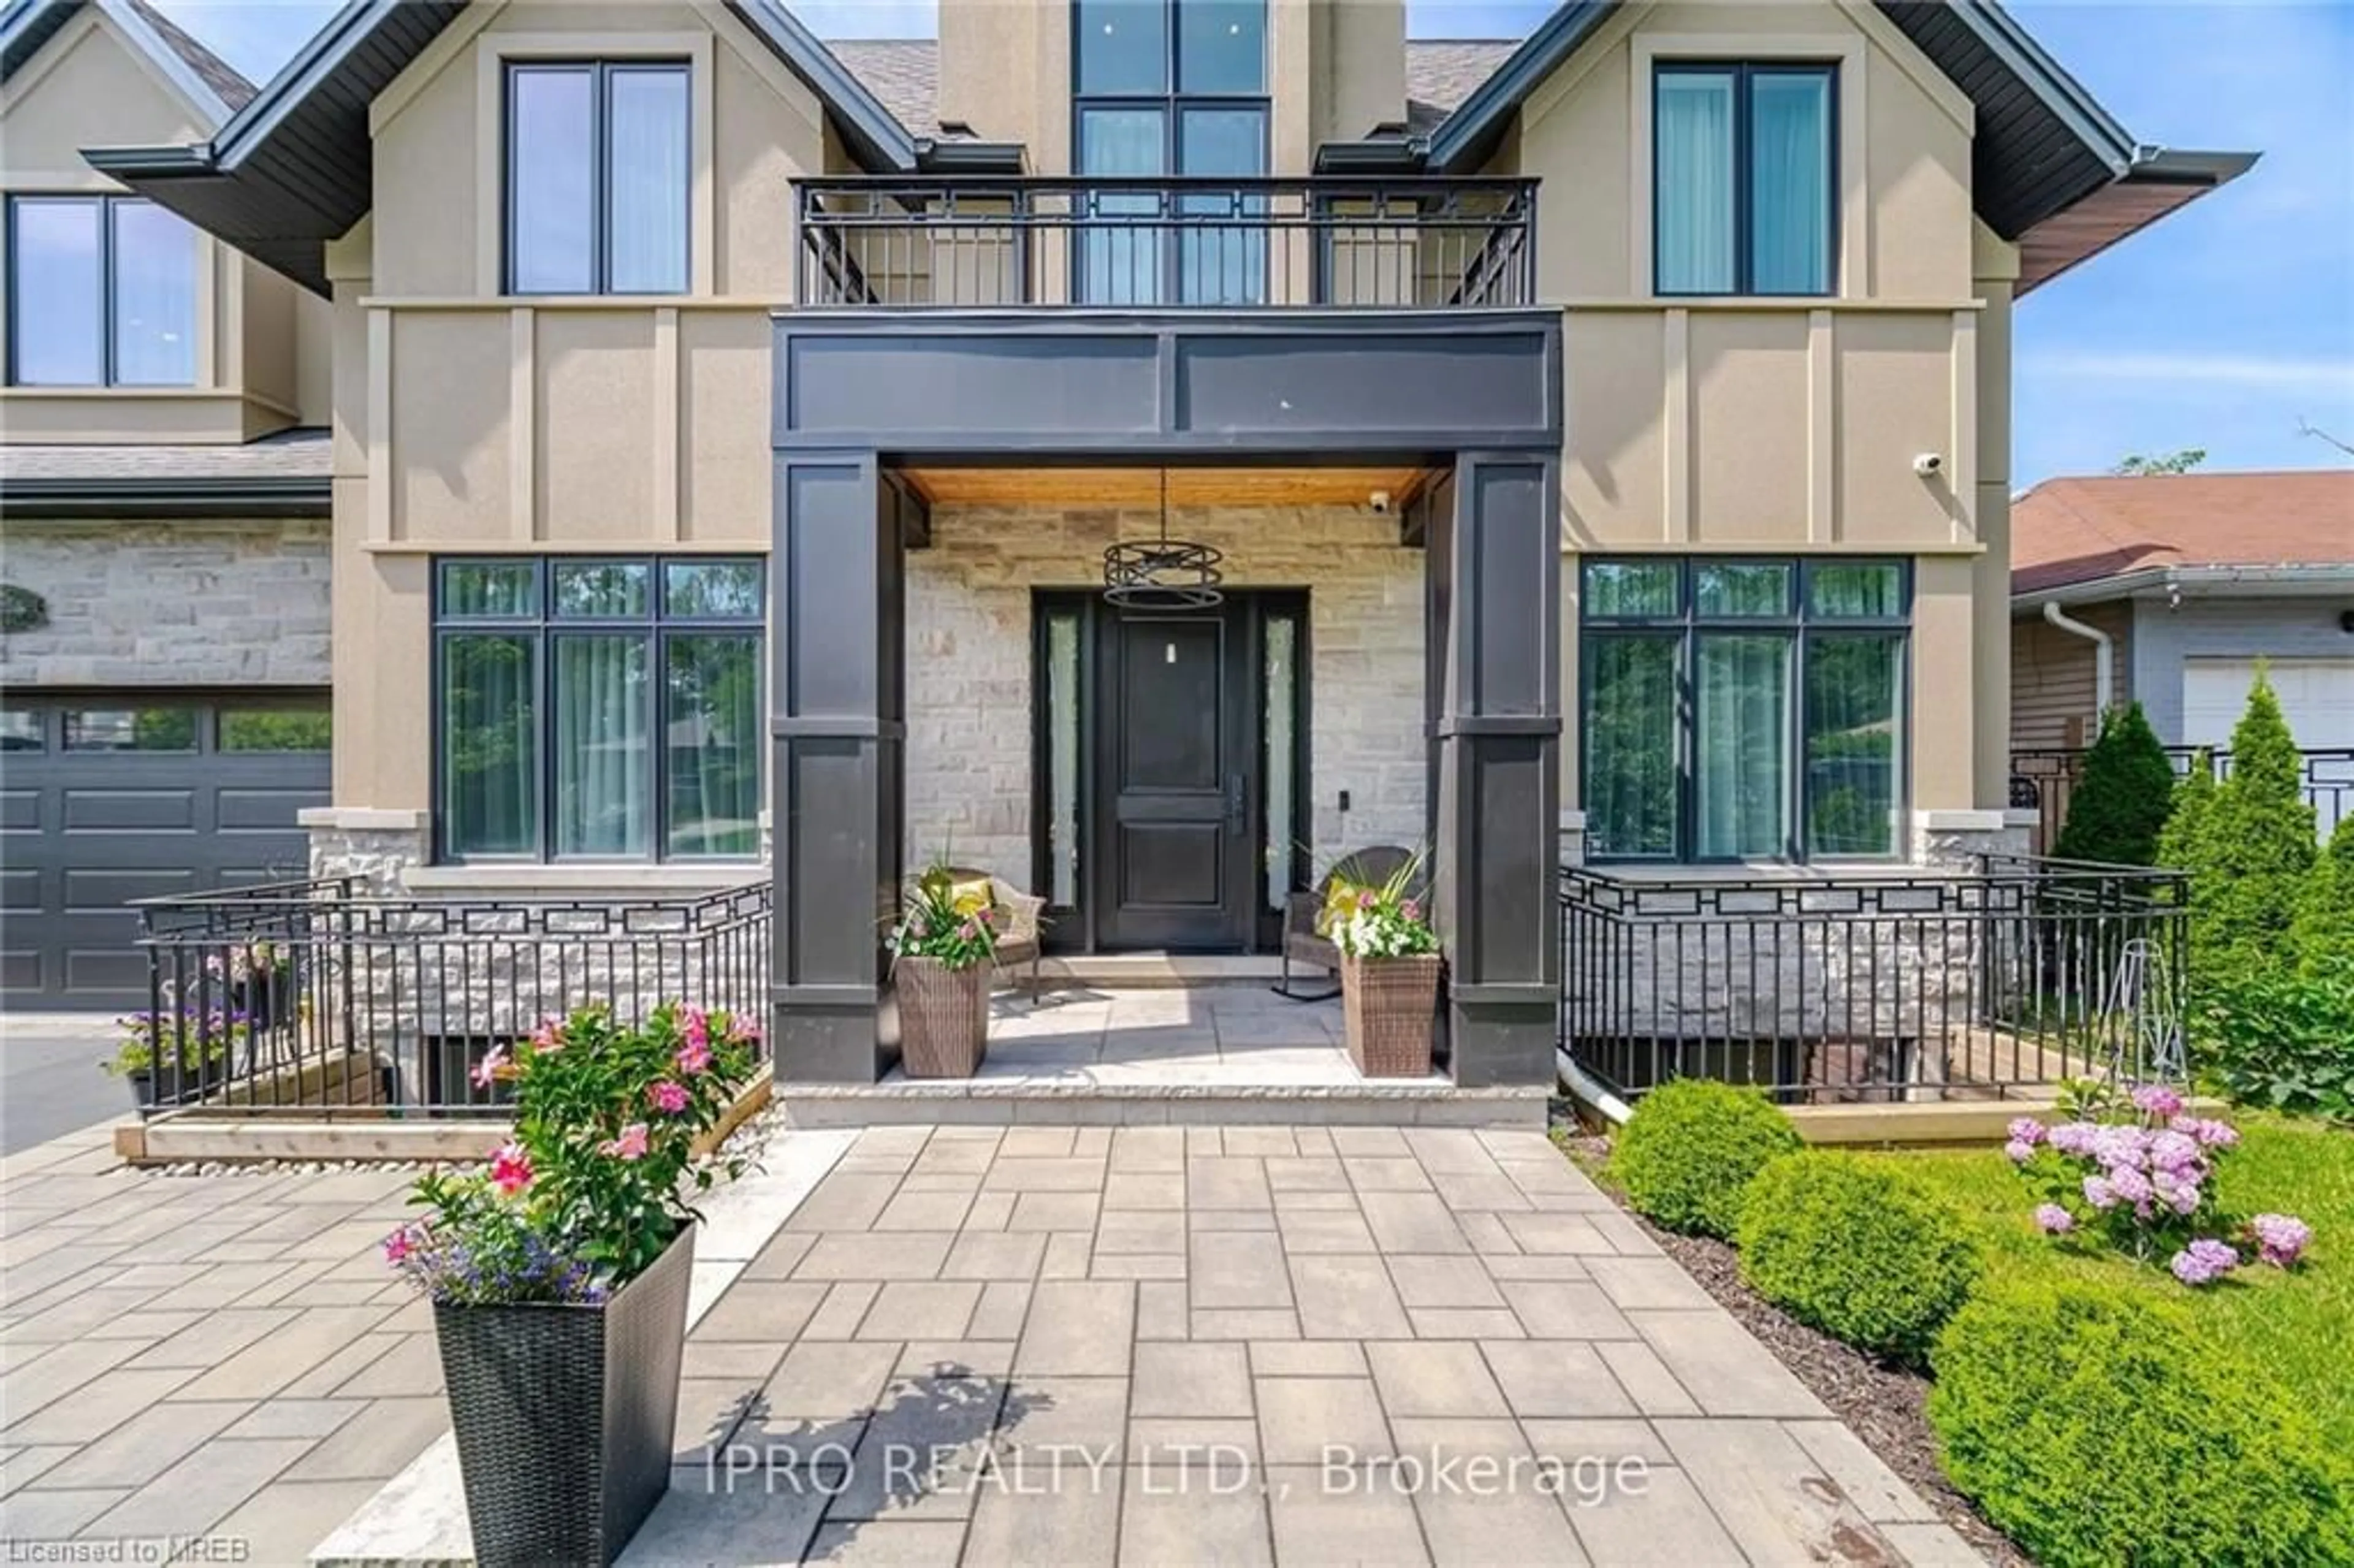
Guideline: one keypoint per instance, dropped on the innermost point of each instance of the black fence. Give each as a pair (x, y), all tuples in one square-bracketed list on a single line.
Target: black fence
[(312, 998), (2041, 780), (1829, 988), (1223, 243)]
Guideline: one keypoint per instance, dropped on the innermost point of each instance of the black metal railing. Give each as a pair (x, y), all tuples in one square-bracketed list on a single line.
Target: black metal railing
[(1854, 987), (1213, 243), (318, 997), (2041, 780)]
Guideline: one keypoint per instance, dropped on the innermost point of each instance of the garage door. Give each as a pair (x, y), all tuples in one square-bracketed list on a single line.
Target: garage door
[(2317, 696), (104, 799)]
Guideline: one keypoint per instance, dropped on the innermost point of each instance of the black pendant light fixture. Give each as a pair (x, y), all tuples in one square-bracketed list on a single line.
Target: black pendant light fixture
[(1163, 573)]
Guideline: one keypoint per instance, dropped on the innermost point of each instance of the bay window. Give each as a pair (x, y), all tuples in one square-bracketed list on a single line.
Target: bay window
[(597, 709), (1743, 709), (101, 293), (1741, 179)]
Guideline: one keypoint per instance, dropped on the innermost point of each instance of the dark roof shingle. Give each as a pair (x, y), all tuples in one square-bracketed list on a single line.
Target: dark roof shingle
[(226, 81)]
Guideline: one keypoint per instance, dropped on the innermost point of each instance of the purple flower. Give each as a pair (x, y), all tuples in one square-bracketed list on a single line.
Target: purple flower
[(2121, 1146), (2098, 1193), (2074, 1137), (2280, 1238), (2018, 1150), (2176, 1190), (2203, 1261), (2130, 1185), (2053, 1221), (2158, 1100), (2026, 1129), (2217, 1134), (2175, 1151)]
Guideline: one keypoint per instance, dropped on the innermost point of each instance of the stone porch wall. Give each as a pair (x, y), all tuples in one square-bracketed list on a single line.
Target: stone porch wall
[(969, 664), (170, 604)]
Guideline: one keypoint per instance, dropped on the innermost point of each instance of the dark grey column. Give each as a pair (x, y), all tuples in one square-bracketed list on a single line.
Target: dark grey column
[(1495, 625), (837, 702)]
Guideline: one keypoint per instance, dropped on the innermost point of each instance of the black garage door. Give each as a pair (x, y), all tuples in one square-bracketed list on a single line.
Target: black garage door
[(105, 799)]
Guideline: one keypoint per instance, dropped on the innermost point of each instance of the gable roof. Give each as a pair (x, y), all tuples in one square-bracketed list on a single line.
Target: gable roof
[(2072, 533), (905, 75), (214, 85)]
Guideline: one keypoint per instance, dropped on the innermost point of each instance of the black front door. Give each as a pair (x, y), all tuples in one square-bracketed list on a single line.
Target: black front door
[(1176, 742)]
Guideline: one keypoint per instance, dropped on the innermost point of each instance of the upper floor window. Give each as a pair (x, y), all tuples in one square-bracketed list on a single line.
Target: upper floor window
[(597, 178), (1743, 708), (1170, 87), (101, 293), (603, 709), (1742, 171)]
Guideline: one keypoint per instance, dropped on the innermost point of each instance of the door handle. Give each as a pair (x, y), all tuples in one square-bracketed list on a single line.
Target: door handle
[(1237, 803)]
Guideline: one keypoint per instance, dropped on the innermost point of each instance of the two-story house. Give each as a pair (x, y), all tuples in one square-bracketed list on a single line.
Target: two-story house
[(164, 528), (1148, 448)]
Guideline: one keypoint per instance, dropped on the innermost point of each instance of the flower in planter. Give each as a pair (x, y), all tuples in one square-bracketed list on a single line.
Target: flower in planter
[(590, 1189), (491, 1068), (947, 920), (1380, 922)]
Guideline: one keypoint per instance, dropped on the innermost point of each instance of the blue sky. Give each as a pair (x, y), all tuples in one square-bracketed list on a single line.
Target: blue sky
[(2223, 327)]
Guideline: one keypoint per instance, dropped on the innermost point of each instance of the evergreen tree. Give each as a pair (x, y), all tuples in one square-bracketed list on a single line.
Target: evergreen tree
[(2325, 915), (2120, 803), (2253, 850), (2178, 842)]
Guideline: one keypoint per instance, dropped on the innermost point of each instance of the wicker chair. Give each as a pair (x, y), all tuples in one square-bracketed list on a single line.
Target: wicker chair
[(1018, 943), (1301, 944)]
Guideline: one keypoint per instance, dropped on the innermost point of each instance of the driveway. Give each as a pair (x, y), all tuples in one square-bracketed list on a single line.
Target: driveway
[(49, 1081)]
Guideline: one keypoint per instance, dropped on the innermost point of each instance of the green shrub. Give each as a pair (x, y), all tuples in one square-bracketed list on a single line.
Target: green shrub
[(2250, 854), (2119, 805), (2279, 1039), (1856, 1249), (2099, 1429), (2181, 842), (1691, 1147), (2324, 930)]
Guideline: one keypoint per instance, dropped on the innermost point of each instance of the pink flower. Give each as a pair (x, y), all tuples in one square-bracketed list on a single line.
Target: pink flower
[(668, 1097), (488, 1069), (2018, 1151), (631, 1145), (2099, 1193), (400, 1245), (510, 1168), (2203, 1261), (2130, 1184), (2074, 1137), (696, 1024), (2158, 1101), (2026, 1129), (2280, 1238), (2174, 1151), (742, 1030), (1365, 900), (968, 932), (549, 1036), (2054, 1221), (694, 1055), (1411, 909)]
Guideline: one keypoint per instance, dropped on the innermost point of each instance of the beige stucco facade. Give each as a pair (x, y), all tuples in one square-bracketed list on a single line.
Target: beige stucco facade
[(261, 350), (469, 421)]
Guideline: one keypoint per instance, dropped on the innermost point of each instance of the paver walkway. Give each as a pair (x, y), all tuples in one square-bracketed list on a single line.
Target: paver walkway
[(1167, 1345)]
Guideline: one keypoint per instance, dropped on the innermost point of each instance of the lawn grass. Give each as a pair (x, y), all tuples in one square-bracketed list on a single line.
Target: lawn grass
[(2300, 1326)]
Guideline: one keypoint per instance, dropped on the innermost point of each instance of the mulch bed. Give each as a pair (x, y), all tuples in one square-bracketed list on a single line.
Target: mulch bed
[(1885, 1406)]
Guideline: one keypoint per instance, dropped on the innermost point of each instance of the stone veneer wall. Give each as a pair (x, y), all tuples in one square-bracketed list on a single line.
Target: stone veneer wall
[(180, 604), (969, 664)]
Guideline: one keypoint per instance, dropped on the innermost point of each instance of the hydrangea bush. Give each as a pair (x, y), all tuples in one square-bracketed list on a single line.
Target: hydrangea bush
[(592, 1185), (2137, 1173)]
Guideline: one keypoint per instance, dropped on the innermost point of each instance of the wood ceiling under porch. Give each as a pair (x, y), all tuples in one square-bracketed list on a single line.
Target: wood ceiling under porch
[(1394, 485)]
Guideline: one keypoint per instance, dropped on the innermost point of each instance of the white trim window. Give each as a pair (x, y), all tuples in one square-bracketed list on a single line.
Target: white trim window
[(101, 293)]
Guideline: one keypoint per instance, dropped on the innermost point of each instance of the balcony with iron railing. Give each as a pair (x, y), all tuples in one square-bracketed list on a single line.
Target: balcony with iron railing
[(1156, 243)]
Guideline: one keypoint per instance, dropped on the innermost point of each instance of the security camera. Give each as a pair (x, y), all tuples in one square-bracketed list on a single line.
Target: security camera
[(1380, 501), (1928, 465)]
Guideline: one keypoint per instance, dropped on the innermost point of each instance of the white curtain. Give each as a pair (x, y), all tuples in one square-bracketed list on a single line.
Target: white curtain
[(551, 176), (1693, 128), (1789, 172), (1121, 254), (1743, 754), (646, 215), (603, 770)]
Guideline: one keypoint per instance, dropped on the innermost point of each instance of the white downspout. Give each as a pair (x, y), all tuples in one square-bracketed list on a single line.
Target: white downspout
[(1583, 1086), (2103, 659)]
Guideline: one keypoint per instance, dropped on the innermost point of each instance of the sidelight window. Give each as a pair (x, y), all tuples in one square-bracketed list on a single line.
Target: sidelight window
[(1743, 709), (598, 709)]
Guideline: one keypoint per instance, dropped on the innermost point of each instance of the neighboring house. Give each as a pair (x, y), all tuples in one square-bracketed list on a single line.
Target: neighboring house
[(163, 517), (2191, 579), (1605, 438)]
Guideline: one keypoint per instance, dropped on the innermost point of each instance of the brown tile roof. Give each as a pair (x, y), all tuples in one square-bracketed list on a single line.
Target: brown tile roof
[(904, 74), (224, 78), (2071, 531)]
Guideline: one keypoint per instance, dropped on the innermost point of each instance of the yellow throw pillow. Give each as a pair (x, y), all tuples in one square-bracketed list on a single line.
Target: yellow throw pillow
[(971, 895)]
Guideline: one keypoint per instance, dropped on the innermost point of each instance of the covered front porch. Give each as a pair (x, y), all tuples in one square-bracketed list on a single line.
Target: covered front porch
[(1378, 665)]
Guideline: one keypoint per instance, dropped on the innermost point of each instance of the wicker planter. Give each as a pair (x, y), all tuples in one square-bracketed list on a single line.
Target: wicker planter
[(1387, 1005), (564, 1414), (943, 1018)]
